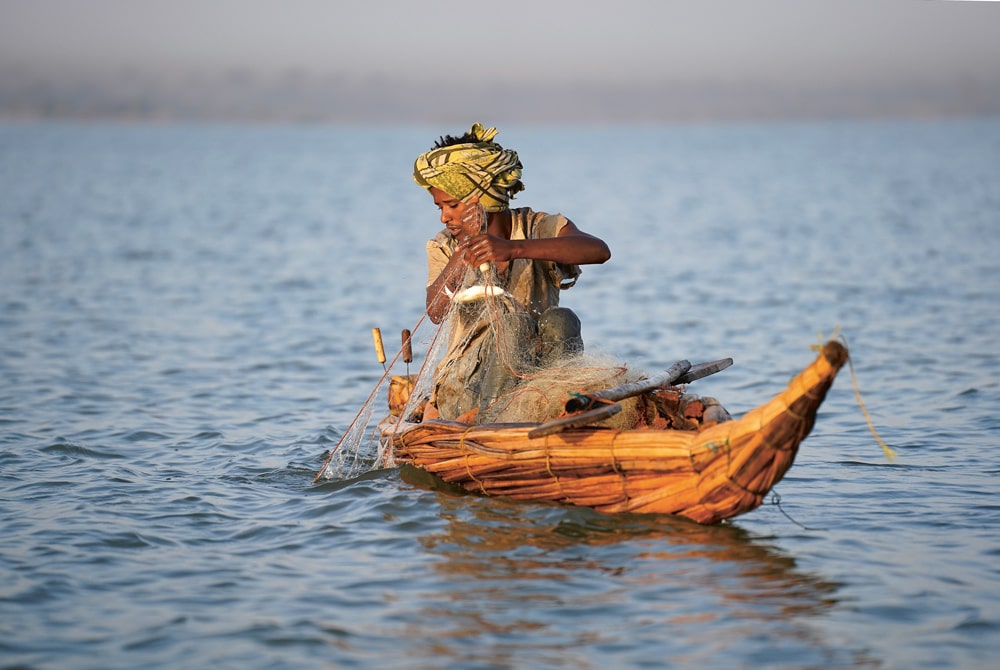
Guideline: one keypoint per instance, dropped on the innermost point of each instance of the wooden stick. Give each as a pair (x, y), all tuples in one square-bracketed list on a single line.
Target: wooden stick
[(575, 421), (703, 370), (407, 347), (379, 349), (668, 378)]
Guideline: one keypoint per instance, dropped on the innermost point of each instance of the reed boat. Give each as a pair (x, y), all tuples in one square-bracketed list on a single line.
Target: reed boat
[(706, 470)]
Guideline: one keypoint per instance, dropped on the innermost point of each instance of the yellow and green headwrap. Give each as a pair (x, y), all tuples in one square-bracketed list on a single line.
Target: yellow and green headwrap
[(482, 168)]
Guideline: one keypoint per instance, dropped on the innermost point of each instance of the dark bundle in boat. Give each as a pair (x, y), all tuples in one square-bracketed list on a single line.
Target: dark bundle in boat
[(682, 460)]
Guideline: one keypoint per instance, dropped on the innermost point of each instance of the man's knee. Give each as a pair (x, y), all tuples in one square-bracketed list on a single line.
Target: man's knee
[(559, 328)]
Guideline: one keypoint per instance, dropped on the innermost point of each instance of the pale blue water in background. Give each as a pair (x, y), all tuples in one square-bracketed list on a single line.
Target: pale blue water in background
[(185, 331)]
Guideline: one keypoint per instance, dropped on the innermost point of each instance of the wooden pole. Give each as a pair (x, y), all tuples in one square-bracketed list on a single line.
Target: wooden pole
[(407, 347), (407, 353), (379, 349), (681, 372), (668, 378)]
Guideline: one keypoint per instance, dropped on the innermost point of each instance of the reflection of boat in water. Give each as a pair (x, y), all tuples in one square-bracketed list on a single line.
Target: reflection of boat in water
[(707, 474), (491, 546)]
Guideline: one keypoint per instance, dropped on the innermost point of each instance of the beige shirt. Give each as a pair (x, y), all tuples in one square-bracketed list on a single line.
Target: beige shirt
[(473, 344), (534, 284)]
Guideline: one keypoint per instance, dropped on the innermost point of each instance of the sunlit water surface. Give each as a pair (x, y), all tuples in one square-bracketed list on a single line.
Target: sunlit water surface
[(185, 332)]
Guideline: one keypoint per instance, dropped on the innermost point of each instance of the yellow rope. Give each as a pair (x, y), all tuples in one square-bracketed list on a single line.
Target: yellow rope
[(622, 476), (890, 454), (548, 467), (468, 454)]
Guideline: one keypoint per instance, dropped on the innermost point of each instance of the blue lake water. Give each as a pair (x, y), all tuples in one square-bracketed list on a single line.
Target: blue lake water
[(185, 332)]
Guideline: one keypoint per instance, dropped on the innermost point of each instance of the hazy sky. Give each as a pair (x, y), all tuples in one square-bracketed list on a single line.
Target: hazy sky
[(624, 40)]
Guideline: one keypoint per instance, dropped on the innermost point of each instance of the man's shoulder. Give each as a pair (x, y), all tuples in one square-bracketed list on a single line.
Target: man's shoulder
[(538, 224)]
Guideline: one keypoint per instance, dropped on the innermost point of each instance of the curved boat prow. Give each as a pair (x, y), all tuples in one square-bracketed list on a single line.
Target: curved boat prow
[(763, 443)]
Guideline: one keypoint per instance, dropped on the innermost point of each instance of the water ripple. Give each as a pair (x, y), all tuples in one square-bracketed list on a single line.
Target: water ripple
[(179, 362)]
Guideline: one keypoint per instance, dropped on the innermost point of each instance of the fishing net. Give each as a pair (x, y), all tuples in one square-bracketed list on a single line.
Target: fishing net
[(486, 362), (361, 448), (489, 361), (542, 392), (483, 364)]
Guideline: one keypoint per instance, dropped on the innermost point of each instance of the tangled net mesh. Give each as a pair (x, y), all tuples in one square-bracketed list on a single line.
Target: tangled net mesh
[(484, 364)]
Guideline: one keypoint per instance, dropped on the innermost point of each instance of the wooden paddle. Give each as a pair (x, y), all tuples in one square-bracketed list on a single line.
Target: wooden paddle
[(703, 370)]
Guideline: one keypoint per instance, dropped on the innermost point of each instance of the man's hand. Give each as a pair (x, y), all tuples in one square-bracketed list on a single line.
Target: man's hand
[(473, 220)]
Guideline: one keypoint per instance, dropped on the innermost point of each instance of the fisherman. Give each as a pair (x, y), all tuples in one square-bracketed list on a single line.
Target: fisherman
[(529, 257)]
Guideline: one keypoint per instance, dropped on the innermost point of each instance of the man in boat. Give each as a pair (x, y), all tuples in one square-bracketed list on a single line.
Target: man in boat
[(526, 257)]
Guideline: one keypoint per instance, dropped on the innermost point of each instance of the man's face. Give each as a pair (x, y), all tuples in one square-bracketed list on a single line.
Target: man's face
[(460, 218)]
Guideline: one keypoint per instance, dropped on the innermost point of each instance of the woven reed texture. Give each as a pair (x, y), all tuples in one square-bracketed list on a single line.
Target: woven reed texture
[(707, 475)]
